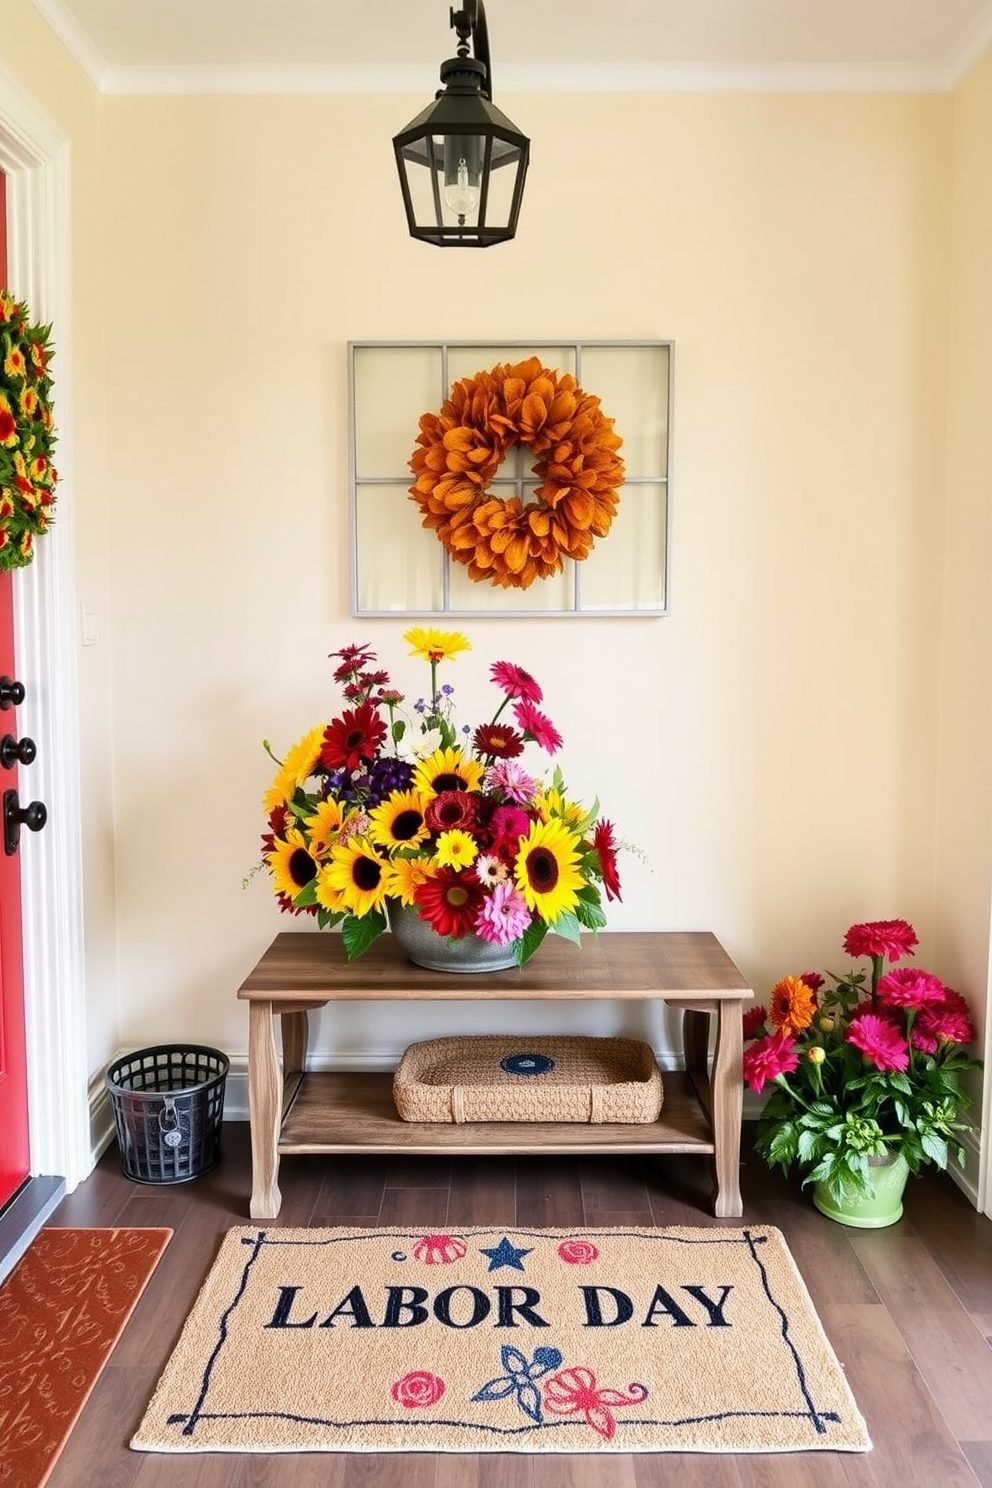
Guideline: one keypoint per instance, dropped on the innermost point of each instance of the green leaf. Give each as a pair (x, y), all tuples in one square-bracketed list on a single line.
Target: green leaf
[(528, 943), (935, 1148), (307, 895), (359, 931), (567, 926), (589, 915)]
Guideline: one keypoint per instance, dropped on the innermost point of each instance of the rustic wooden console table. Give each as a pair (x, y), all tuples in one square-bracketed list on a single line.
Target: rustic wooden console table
[(299, 1111)]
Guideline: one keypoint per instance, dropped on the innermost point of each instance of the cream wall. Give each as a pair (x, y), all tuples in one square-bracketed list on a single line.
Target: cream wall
[(772, 745), (775, 746), (41, 67), (964, 836)]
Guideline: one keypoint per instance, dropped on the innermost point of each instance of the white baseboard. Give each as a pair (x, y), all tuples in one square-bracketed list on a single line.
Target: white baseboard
[(103, 1132)]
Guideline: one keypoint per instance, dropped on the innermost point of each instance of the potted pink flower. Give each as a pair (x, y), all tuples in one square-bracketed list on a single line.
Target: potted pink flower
[(864, 1072)]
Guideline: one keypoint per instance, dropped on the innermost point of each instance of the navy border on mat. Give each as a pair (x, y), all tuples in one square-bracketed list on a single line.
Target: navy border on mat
[(807, 1410)]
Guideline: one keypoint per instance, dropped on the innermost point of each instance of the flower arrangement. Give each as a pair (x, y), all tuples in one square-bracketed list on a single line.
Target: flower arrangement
[(862, 1069), (510, 543), (384, 804), (27, 475)]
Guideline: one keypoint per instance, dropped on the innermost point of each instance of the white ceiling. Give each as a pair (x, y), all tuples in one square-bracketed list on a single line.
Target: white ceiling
[(559, 45)]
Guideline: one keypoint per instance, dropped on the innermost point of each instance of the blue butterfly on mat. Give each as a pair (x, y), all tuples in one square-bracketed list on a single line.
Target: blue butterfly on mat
[(519, 1378)]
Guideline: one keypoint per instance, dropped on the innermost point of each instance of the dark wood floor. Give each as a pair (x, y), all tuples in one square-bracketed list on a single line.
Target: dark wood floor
[(908, 1310)]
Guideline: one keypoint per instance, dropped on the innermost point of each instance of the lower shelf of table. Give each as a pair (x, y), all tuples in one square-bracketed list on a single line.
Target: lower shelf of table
[(355, 1112)]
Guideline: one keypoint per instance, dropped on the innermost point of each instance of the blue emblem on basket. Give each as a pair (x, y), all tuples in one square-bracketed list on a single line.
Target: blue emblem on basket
[(527, 1064)]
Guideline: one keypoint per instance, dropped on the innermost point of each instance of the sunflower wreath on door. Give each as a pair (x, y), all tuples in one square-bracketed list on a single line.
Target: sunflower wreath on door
[(27, 433), (510, 477)]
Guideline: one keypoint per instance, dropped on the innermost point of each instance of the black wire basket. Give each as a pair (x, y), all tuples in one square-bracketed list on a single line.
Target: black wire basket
[(168, 1107)]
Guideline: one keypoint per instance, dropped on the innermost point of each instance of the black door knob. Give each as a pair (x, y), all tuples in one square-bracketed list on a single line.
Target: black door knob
[(11, 693), (33, 816), (16, 751)]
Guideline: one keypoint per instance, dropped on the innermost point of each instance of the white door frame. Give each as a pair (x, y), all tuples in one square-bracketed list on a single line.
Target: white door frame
[(34, 155)]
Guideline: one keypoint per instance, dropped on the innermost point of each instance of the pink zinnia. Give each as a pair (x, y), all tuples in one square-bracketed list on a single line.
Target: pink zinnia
[(880, 1042), (540, 728), (512, 779), (509, 823), (769, 1057), (948, 1021), (908, 987), (892, 938), (515, 682), (503, 915)]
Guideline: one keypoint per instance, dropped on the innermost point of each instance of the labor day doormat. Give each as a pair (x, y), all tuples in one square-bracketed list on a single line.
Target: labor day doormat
[(62, 1309), (495, 1339)]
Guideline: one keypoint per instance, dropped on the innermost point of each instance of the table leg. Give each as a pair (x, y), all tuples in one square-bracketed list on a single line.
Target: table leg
[(295, 1036), (264, 1111), (727, 1085)]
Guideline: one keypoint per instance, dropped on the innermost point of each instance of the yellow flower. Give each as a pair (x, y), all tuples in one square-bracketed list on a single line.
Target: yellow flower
[(14, 364), (357, 872), (456, 849), (404, 876), (325, 826), (447, 769), (546, 871), (291, 863), (399, 821), (327, 896), (435, 645), (297, 767), (302, 759), (551, 803)]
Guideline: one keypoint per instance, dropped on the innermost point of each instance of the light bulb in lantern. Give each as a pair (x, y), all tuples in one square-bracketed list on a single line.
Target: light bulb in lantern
[(462, 173)]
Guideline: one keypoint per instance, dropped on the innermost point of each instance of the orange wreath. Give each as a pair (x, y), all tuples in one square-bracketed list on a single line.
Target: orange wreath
[(511, 543)]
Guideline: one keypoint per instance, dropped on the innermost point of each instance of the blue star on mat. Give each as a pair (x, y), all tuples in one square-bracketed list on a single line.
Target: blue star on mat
[(504, 1254)]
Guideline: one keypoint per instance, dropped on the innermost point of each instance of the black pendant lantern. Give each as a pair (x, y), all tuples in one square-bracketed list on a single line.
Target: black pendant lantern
[(462, 163)]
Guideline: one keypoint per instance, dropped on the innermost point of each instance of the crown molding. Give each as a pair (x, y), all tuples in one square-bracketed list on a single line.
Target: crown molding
[(291, 79), (626, 78), (974, 46), (75, 41)]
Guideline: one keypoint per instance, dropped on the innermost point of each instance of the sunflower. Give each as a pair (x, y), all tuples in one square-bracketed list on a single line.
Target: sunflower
[(546, 871), (405, 876), (791, 1005), (299, 764), (435, 645), (329, 897), (325, 826), (358, 873), (291, 863), (445, 770), (399, 821)]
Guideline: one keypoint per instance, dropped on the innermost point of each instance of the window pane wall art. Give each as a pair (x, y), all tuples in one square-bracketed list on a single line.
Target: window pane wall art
[(602, 539)]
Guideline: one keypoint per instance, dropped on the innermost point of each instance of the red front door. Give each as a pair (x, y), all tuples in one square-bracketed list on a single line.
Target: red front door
[(14, 1153)]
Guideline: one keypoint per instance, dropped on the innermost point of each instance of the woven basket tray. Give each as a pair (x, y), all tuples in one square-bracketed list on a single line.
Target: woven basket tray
[(506, 1077)]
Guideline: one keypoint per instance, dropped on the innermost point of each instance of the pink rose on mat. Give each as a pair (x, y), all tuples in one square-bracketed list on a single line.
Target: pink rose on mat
[(578, 1252), (418, 1389)]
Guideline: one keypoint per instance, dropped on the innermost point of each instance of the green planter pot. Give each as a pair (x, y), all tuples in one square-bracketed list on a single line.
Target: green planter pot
[(885, 1208)]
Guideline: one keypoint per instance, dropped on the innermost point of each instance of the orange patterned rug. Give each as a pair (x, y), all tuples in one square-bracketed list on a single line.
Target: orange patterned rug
[(62, 1310)]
